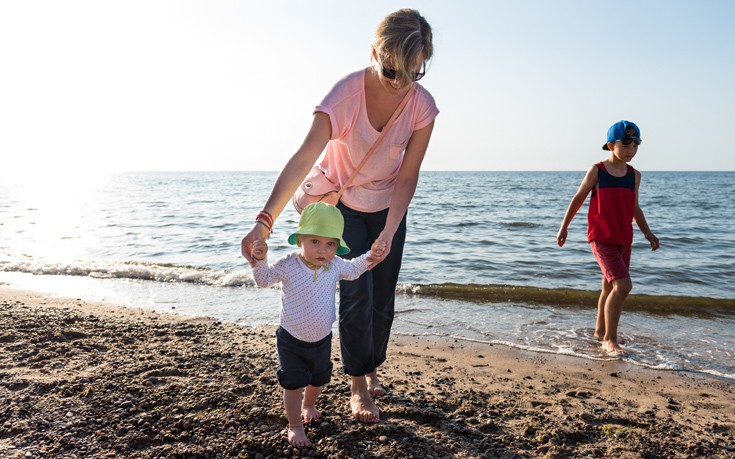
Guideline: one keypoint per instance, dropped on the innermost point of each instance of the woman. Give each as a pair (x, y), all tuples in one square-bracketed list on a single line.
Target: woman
[(347, 123)]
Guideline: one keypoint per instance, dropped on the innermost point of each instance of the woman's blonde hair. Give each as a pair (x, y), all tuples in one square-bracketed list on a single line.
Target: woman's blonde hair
[(399, 39)]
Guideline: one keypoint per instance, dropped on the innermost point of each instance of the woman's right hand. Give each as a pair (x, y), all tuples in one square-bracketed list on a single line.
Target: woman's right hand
[(258, 233)]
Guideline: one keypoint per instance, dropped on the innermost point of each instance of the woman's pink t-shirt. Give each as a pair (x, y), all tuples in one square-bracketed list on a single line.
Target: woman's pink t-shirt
[(353, 135)]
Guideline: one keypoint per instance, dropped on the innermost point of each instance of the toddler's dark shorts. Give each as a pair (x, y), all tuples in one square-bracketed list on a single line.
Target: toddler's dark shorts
[(301, 363)]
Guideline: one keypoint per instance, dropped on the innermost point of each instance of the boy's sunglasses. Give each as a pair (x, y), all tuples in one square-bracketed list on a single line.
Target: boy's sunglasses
[(628, 140), (390, 73)]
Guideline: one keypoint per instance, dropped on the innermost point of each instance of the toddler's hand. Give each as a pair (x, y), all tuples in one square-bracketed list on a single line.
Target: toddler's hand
[(260, 249), (246, 245), (378, 248)]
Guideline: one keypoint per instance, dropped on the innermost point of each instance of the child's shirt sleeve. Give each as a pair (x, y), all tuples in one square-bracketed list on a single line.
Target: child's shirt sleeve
[(352, 269), (266, 275)]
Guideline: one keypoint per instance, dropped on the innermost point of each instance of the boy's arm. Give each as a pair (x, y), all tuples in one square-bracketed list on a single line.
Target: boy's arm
[(640, 219), (588, 183)]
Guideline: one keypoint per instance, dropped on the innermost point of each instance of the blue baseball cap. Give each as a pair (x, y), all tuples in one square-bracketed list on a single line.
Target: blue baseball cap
[(622, 130)]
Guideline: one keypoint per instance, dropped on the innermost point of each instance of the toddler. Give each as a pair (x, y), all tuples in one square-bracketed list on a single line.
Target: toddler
[(308, 279)]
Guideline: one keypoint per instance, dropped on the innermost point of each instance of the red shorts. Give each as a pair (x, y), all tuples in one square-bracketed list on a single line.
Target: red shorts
[(614, 260)]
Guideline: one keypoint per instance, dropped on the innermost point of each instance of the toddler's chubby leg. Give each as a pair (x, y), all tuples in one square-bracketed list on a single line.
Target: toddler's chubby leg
[(296, 433), (308, 406)]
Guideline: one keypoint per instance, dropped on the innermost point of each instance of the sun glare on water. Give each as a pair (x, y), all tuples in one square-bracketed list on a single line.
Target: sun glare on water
[(50, 190), (50, 209)]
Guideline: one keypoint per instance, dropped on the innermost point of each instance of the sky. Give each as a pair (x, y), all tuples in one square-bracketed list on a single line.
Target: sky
[(231, 85)]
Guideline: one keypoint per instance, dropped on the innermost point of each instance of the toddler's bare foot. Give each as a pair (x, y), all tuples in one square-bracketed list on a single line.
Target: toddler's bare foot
[(614, 349), (375, 389), (297, 436), (310, 413), (363, 407)]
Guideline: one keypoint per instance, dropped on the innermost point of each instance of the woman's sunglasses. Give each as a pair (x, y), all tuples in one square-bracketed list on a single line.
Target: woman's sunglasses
[(390, 73)]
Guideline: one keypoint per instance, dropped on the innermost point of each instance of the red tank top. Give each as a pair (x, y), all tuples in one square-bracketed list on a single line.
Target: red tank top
[(612, 206)]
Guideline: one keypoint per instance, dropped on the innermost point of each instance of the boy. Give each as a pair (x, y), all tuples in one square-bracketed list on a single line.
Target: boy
[(309, 282), (613, 207)]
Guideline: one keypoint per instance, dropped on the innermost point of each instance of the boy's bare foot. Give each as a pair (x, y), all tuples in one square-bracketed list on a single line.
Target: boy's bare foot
[(310, 413), (601, 337), (614, 349), (375, 389), (297, 436), (363, 407)]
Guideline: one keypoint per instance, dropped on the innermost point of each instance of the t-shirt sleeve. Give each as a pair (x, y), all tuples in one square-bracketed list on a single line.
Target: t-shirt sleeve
[(426, 109), (342, 104)]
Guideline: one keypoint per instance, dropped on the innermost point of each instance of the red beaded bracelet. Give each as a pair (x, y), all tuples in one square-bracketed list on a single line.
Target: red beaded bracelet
[(265, 216), (265, 219), (265, 224)]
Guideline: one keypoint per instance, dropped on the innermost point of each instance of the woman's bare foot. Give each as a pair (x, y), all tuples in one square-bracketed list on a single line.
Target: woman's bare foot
[(362, 404), (375, 389), (297, 436), (310, 413), (363, 408), (614, 349)]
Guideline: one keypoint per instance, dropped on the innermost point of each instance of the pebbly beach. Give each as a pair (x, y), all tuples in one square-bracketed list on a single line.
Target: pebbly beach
[(80, 379)]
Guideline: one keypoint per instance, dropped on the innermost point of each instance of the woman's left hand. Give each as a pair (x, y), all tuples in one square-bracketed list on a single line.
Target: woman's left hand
[(385, 240)]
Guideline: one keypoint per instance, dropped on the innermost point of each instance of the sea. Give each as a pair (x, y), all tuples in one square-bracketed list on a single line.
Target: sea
[(481, 263)]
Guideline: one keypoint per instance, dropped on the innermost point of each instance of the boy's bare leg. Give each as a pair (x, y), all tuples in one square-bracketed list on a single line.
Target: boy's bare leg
[(375, 389), (613, 309), (296, 433), (601, 302), (363, 406), (308, 406)]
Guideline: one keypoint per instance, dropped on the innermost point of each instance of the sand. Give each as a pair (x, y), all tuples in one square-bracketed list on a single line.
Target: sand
[(81, 379)]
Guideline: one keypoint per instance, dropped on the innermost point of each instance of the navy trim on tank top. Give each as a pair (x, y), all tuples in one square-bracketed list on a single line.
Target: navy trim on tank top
[(607, 180)]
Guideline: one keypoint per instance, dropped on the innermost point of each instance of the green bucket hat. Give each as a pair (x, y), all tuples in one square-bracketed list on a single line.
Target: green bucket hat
[(322, 219)]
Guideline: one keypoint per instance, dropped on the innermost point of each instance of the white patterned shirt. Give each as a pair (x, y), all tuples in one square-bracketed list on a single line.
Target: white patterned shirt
[(308, 300)]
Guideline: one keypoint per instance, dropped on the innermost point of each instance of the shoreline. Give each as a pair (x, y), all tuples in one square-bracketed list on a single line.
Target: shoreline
[(86, 379)]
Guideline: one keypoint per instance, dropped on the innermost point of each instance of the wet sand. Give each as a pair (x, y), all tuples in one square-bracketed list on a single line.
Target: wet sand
[(81, 379)]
